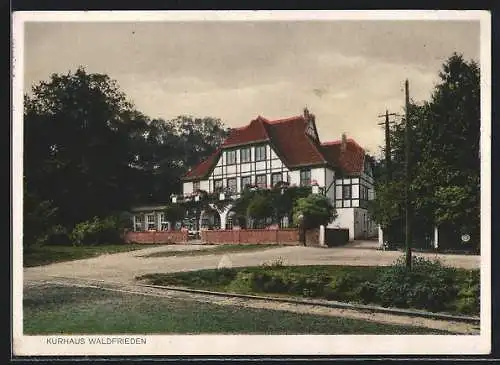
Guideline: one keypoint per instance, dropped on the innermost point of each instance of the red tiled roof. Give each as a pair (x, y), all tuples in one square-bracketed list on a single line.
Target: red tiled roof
[(292, 145), (351, 161), (254, 132), (203, 168)]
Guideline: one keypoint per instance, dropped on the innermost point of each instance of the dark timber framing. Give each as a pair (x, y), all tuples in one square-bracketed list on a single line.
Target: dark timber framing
[(362, 183), (220, 170)]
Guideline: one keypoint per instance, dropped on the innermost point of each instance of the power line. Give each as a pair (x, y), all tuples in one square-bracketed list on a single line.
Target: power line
[(387, 125)]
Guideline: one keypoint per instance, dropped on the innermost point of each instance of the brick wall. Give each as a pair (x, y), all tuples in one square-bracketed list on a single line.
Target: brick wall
[(157, 237), (255, 236), (312, 237)]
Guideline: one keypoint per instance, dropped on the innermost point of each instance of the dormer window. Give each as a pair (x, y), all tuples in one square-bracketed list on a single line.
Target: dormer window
[(260, 153), (230, 157), (245, 154)]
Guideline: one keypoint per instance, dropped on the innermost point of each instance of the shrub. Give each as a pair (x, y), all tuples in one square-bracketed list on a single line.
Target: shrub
[(367, 292), (314, 286), (244, 281), (426, 285), (277, 262), (273, 284), (98, 231), (58, 235), (468, 298), (343, 286), (316, 210)]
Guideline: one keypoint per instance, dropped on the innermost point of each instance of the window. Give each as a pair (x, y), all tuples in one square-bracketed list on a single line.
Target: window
[(230, 157), (196, 186), (364, 192), (245, 182), (346, 192), (245, 155), (229, 223), (260, 181), (217, 185), (151, 222), (260, 153), (275, 178), (163, 222), (305, 177), (139, 222), (231, 184)]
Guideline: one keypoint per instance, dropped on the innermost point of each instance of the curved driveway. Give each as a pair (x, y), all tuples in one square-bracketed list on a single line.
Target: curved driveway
[(124, 267)]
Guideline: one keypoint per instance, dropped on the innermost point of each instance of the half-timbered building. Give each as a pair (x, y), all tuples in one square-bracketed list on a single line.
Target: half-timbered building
[(266, 152)]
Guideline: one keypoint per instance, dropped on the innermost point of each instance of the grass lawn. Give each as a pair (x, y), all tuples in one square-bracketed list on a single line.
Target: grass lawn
[(213, 250), (73, 310), (44, 255), (379, 285)]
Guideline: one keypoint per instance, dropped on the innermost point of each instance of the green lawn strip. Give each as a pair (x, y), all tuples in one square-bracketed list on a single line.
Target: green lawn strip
[(340, 283), (213, 250), (44, 255), (73, 310)]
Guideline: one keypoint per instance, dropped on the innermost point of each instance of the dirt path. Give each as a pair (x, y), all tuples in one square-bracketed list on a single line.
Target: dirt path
[(125, 266), (452, 326)]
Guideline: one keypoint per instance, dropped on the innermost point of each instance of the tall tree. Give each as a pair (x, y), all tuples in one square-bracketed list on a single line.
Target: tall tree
[(445, 164), (77, 148), (89, 152)]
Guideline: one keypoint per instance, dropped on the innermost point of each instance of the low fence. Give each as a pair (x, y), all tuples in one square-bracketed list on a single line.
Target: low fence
[(152, 237), (258, 236), (336, 236)]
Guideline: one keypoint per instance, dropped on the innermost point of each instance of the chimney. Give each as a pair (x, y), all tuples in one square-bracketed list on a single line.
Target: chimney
[(343, 144), (306, 114)]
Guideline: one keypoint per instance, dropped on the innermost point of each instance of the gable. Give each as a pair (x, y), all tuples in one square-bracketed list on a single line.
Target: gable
[(295, 142)]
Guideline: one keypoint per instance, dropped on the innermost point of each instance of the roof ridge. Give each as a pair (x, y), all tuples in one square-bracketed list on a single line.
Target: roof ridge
[(206, 159), (339, 141), (283, 120), (316, 145), (263, 121)]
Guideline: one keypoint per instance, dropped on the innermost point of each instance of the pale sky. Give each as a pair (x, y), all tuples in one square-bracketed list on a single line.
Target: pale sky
[(345, 72)]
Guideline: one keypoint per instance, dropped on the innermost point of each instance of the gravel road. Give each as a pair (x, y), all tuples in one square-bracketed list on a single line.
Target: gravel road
[(124, 267)]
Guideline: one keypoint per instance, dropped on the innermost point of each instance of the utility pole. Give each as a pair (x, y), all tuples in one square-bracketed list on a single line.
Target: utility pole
[(388, 142), (407, 176), (388, 167)]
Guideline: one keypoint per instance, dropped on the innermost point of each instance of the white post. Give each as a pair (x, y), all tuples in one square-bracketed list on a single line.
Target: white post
[(380, 236), (200, 223), (223, 216), (322, 235), (133, 222), (436, 237)]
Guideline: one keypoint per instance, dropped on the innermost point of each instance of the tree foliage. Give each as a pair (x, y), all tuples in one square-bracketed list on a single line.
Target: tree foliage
[(315, 209), (260, 208), (90, 153), (174, 212), (444, 158)]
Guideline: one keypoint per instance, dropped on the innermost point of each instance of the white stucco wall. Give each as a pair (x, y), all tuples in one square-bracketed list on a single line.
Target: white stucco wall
[(345, 219), (357, 221), (187, 187), (295, 177), (318, 174), (204, 185)]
